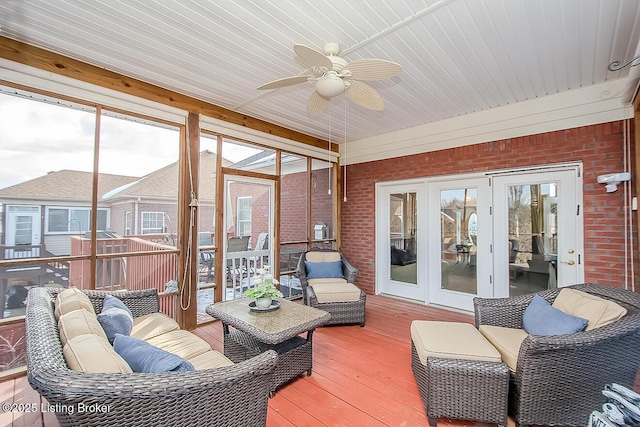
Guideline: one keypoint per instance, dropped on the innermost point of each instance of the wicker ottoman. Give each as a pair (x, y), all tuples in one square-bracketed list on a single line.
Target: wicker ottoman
[(459, 373)]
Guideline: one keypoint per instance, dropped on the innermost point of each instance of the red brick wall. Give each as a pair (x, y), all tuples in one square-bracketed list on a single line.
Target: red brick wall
[(321, 200), (293, 204), (600, 148), (293, 207), (259, 208)]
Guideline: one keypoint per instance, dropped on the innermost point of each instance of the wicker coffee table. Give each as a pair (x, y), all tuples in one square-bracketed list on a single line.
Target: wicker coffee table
[(248, 333)]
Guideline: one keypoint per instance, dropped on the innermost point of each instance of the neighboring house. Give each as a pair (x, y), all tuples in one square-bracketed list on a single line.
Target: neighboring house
[(41, 214)]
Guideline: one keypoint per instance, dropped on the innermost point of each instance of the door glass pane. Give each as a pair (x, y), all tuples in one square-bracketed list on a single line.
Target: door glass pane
[(459, 237), (402, 235), (533, 237), (24, 230)]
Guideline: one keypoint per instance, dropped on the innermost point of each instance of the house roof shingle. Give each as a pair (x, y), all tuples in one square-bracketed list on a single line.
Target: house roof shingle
[(69, 184)]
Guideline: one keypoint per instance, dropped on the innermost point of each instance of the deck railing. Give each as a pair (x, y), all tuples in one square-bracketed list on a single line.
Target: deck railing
[(122, 265)]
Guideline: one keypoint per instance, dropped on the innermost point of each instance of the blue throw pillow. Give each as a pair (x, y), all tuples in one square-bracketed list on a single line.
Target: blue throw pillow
[(540, 318), (144, 357), (317, 270), (112, 302), (115, 318)]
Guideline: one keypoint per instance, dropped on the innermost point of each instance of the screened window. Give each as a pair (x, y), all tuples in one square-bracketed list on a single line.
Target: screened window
[(73, 220)]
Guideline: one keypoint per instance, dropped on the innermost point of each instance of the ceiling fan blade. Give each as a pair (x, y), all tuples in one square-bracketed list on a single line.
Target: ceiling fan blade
[(373, 69), (365, 96), (316, 104), (311, 57), (287, 81)]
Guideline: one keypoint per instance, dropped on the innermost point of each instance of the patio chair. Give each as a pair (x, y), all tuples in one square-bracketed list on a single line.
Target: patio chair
[(205, 267), (237, 244), (327, 280), (557, 379), (237, 266)]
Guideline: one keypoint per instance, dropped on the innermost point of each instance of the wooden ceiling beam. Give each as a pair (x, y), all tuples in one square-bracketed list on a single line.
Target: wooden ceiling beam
[(55, 63)]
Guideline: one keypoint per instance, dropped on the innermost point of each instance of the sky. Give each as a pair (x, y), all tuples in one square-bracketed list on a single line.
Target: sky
[(37, 138)]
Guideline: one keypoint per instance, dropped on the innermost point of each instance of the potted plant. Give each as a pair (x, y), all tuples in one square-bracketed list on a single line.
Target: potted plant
[(264, 289)]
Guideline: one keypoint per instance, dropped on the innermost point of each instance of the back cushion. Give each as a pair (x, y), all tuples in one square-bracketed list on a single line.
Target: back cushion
[(72, 299), (78, 322), (321, 256), (331, 269), (91, 353), (598, 311)]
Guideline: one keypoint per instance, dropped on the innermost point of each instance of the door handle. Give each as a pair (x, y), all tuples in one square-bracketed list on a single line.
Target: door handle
[(570, 262)]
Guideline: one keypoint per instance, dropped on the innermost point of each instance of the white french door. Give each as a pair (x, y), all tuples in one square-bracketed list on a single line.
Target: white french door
[(459, 242), (446, 240), (538, 231), (401, 239)]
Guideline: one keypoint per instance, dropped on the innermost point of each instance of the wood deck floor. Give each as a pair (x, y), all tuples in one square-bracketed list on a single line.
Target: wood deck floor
[(361, 376)]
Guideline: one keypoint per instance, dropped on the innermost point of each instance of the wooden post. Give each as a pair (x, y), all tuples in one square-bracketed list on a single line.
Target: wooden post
[(188, 213), (220, 227)]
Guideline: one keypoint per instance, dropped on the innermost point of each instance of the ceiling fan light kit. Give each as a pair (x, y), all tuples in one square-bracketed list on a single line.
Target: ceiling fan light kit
[(330, 85), (333, 75)]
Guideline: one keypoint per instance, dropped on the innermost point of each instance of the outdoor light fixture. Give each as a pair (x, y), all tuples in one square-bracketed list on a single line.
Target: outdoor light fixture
[(612, 180)]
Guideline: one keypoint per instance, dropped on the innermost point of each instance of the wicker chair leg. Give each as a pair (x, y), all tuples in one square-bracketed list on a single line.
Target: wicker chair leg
[(433, 421)]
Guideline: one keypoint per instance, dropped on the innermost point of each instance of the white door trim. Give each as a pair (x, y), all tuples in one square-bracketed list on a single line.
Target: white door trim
[(384, 284)]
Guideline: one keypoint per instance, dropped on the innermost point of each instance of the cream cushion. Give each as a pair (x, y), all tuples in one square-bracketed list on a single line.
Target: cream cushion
[(151, 325), (72, 299), (320, 256), (183, 343), (506, 340), (451, 340), (92, 353), (79, 322), (598, 311), (210, 360), (334, 290)]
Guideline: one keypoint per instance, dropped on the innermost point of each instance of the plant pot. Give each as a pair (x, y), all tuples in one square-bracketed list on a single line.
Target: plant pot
[(264, 302)]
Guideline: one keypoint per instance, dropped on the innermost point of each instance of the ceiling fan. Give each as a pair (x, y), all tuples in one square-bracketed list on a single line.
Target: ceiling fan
[(333, 75)]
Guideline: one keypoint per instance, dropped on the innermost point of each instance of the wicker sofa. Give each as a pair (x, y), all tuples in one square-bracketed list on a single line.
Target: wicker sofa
[(558, 379), (208, 396)]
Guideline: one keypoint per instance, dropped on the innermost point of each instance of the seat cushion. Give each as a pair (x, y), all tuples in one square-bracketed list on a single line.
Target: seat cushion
[(72, 299), (151, 325), (183, 343), (334, 290), (79, 322), (598, 311), (451, 340), (322, 256), (210, 360), (506, 340), (92, 353), (144, 357)]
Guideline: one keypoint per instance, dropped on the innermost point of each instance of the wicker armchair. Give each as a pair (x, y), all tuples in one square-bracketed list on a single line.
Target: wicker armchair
[(342, 312), (203, 397), (558, 379)]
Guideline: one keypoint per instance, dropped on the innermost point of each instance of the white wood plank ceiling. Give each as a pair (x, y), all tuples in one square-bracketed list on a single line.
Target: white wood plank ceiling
[(459, 56)]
